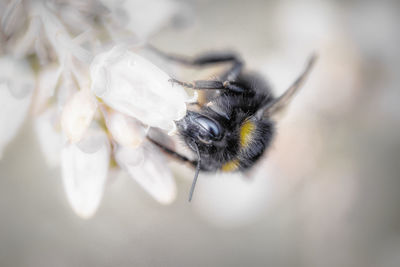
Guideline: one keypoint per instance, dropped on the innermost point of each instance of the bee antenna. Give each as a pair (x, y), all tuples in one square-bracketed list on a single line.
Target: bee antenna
[(196, 174)]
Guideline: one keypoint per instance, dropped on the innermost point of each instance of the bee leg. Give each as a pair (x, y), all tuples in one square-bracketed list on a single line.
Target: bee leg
[(233, 73), (209, 59), (172, 153), (195, 104), (205, 59), (212, 85), (213, 58)]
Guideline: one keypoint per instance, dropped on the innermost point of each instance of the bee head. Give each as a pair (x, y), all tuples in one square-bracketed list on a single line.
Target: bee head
[(201, 131)]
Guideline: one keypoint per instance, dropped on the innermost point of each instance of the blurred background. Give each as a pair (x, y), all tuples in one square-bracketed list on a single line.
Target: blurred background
[(326, 194)]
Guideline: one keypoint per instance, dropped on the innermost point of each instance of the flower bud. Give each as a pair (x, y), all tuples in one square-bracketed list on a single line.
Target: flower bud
[(134, 86), (77, 114)]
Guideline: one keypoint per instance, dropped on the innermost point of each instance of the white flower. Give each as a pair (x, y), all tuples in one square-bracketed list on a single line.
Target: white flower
[(137, 98), (132, 85), (61, 39), (16, 86), (146, 99), (84, 171)]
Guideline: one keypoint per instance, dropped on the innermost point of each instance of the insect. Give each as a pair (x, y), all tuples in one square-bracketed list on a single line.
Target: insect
[(232, 130)]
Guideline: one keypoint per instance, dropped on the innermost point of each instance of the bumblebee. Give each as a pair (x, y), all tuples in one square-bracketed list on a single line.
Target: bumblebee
[(233, 128)]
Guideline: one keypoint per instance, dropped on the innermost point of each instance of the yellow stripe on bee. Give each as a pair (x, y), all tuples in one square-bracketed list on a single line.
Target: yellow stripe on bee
[(246, 132), (230, 166)]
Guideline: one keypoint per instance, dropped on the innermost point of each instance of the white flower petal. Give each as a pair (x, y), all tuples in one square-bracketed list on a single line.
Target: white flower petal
[(77, 114), (53, 27), (11, 17), (66, 89), (134, 15), (50, 139), (25, 43), (73, 18), (74, 49), (42, 52), (134, 86), (47, 81), (125, 130), (16, 86), (148, 168), (84, 170)]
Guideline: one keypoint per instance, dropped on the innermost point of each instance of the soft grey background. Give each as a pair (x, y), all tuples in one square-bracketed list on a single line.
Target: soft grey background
[(338, 152)]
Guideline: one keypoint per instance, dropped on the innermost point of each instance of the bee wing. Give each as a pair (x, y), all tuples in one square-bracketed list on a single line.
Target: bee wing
[(281, 102)]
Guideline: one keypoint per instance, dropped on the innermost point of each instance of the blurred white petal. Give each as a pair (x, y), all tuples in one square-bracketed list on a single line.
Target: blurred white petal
[(73, 17), (66, 89), (125, 130), (80, 72), (84, 37), (25, 44), (47, 80), (49, 137), (11, 17), (134, 15), (77, 114), (16, 86), (53, 27), (149, 169), (65, 42), (42, 52), (136, 87), (84, 171)]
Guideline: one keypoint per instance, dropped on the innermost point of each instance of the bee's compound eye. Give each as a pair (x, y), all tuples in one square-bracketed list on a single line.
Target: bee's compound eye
[(209, 129)]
